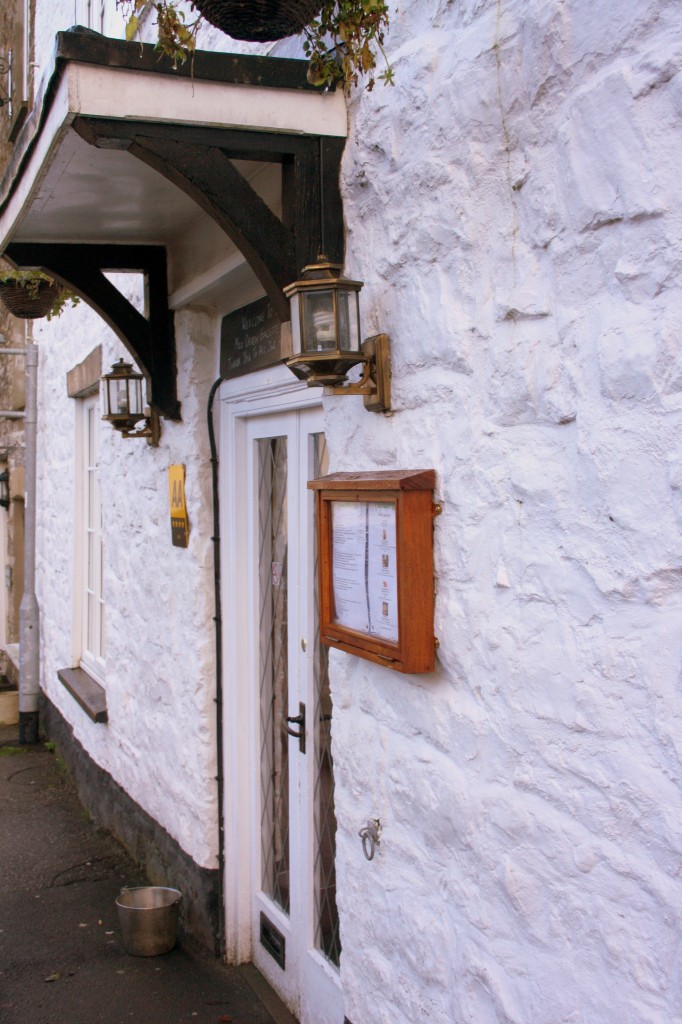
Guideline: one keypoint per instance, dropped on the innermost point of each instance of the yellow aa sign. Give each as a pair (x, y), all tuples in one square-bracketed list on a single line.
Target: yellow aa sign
[(178, 507)]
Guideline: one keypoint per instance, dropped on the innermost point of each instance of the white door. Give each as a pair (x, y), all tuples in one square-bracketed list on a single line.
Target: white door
[(293, 919)]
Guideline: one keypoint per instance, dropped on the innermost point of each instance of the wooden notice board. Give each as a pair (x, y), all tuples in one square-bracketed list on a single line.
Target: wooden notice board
[(375, 559)]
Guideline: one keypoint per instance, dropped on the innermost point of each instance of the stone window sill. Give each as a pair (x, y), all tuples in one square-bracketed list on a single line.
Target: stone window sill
[(86, 692)]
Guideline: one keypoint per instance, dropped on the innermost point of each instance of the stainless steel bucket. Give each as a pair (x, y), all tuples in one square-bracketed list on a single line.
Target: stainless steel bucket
[(148, 916)]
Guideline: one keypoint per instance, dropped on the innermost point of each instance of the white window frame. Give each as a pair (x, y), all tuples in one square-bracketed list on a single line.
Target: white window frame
[(91, 14), (88, 585)]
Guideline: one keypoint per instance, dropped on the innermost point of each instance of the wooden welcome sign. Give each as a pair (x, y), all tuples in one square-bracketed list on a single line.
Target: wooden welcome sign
[(250, 339)]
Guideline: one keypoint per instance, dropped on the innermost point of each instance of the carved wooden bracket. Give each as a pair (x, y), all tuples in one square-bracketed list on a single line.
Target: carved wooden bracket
[(150, 340), (199, 161)]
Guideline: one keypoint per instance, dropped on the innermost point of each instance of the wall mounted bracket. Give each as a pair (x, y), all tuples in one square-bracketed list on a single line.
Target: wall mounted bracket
[(150, 339), (375, 383)]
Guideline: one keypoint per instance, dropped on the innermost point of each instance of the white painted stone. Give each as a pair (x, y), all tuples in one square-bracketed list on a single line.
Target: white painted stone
[(609, 178), (513, 208)]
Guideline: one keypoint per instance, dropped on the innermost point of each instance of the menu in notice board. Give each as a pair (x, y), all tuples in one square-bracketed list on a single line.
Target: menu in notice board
[(364, 567)]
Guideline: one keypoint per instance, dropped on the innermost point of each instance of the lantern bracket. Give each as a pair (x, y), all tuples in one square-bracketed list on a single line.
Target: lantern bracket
[(151, 429), (375, 383)]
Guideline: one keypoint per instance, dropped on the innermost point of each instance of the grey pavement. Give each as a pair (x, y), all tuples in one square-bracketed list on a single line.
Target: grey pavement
[(61, 956)]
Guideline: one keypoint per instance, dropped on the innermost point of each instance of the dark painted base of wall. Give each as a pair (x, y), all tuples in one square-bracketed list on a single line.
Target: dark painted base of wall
[(150, 846)]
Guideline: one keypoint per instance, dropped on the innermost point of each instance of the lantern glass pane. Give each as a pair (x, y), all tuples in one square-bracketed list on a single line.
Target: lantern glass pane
[(296, 347), (136, 407), (110, 396), (319, 322), (349, 327), (121, 400)]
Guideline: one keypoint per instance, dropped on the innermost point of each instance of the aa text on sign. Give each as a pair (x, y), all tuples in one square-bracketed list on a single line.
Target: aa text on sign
[(178, 506)]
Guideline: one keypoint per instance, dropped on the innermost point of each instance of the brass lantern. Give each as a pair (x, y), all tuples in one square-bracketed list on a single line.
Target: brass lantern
[(325, 324), (325, 336), (123, 404)]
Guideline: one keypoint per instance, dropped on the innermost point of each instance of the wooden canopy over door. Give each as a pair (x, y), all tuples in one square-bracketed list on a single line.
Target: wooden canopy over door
[(196, 158)]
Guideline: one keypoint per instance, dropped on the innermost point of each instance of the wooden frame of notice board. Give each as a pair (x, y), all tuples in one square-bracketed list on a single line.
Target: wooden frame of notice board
[(375, 566)]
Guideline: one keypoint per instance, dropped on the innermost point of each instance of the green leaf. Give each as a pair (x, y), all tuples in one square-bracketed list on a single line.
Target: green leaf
[(132, 27)]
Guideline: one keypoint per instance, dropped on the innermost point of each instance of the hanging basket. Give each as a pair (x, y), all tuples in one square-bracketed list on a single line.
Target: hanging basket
[(259, 20), (29, 303)]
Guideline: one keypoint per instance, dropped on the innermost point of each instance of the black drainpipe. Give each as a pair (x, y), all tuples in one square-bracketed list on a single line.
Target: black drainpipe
[(220, 939)]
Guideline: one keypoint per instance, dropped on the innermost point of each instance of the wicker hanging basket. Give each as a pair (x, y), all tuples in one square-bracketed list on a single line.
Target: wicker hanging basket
[(259, 20), (29, 303)]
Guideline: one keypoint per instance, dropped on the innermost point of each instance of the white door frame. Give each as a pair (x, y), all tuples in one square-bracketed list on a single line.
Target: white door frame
[(266, 392)]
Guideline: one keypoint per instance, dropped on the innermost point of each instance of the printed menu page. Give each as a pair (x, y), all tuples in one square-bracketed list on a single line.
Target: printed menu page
[(364, 568), (382, 575), (349, 561)]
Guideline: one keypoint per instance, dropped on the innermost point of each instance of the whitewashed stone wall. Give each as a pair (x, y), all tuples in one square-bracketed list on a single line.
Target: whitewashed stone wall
[(513, 207), (159, 743)]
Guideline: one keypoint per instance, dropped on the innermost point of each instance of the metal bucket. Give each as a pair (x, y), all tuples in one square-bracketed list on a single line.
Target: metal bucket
[(148, 916)]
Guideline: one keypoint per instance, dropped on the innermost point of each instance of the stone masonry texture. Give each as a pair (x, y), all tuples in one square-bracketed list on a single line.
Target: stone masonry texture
[(513, 207)]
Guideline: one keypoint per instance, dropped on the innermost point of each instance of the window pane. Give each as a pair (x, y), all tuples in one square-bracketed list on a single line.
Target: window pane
[(274, 681), (92, 629)]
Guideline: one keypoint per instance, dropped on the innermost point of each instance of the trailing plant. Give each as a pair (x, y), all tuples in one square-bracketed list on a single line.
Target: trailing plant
[(341, 43), (35, 281), (176, 38), (355, 27)]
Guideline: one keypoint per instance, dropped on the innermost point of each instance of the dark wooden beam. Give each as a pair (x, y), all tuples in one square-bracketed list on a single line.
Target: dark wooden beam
[(238, 144), (150, 341), (210, 178), (198, 161), (331, 151), (311, 201), (87, 47)]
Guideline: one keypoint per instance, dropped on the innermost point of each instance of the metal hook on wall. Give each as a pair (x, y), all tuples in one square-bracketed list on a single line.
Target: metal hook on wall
[(371, 837)]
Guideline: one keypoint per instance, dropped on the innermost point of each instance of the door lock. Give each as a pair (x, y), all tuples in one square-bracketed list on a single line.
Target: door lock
[(299, 720)]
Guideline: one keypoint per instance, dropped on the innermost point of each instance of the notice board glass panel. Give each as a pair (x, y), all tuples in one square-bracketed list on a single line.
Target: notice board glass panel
[(375, 539)]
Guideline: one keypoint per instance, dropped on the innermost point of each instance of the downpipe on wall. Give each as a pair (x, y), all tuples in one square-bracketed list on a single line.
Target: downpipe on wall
[(220, 939), (29, 615)]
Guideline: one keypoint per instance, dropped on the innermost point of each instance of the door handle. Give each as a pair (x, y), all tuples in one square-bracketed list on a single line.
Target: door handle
[(299, 720)]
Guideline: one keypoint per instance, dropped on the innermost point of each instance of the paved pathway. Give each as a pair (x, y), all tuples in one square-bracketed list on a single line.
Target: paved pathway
[(61, 957)]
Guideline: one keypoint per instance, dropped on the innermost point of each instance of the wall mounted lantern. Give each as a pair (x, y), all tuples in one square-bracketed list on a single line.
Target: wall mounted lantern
[(4, 489), (325, 335), (123, 406)]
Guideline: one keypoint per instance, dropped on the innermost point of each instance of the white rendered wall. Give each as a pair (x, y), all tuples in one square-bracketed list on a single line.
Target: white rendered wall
[(513, 206), (159, 743)]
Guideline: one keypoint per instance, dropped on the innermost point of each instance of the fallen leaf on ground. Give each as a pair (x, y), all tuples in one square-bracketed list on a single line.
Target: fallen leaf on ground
[(53, 977)]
